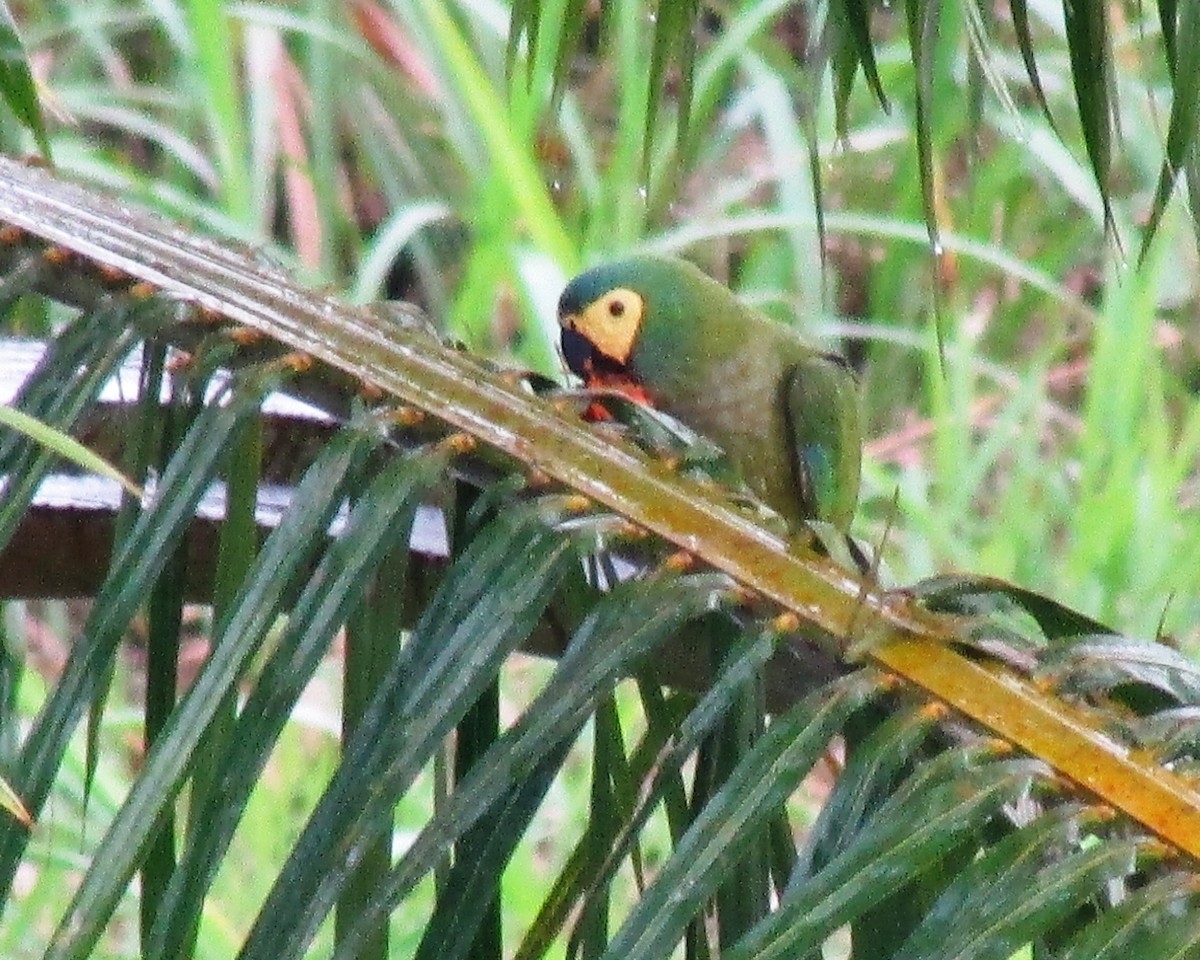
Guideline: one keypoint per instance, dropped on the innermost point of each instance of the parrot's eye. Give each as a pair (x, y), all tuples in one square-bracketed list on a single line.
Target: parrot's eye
[(624, 307)]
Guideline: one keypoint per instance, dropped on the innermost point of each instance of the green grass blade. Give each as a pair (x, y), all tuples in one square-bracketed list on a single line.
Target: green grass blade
[(798, 185), (324, 73), (1185, 118), (215, 48), (843, 62), (985, 55), (1020, 19), (524, 21), (674, 23), (16, 82), (922, 20), (65, 446), (512, 160), (1167, 18), (571, 26), (1091, 53), (857, 18)]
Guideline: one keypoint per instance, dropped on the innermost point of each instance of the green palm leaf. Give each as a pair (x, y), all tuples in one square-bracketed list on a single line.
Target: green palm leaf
[(978, 850)]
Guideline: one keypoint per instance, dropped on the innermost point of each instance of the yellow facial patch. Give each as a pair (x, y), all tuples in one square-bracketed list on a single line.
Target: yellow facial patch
[(610, 323)]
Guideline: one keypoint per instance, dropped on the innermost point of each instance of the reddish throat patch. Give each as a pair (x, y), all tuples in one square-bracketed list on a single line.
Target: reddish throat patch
[(614, 382)]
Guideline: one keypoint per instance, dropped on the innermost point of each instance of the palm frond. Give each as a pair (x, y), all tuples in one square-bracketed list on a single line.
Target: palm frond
[(942, 836)]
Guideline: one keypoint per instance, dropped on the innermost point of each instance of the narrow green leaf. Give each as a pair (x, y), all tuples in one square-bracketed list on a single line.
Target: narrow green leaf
[(591, 932), (675, 21), (739, 670), (1020, 20), (743, 899), (524, 21), (713, 68), (143, 450), (867, 782), (687, 82), (569, 32), (624, 792), (486, 606), (512, 159), (983, 61), (1013, 896), (844, 66), (857, 17), (452, 930), (1105, 663), (1158, 921), (620, 632), (943, 802), (922, 19), (235, 561), (215, 49), (487, 845), (980, 595), (67, 380), (582, 872), (1088, 44), (1185, 116), (139, 560), (374, 638), (315, 503), (66, 447), (1167, 18), (164, 619), (380, 519), (768, 775), (16, 81), (791, 133)]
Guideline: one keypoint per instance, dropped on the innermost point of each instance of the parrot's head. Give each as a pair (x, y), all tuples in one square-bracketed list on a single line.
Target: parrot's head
[(610, 311), (601, 314)]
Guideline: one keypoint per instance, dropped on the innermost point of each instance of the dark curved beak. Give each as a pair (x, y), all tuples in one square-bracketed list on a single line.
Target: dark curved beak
[(578, 351)]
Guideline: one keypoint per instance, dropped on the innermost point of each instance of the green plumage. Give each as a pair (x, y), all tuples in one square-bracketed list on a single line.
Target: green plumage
[(785, 413)]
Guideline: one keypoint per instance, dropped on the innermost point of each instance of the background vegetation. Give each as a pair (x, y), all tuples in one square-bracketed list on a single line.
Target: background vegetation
[(382, 151)]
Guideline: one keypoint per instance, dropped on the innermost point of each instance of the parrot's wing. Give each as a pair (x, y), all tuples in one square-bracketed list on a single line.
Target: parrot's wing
[(821, 411)]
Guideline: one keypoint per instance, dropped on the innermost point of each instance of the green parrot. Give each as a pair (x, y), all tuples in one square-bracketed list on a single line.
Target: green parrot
[(786, 414)]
